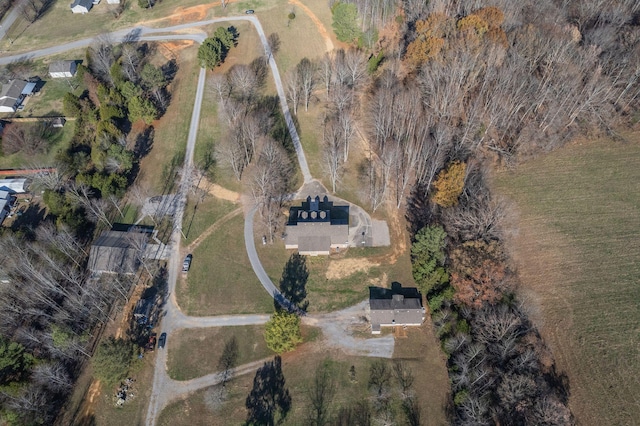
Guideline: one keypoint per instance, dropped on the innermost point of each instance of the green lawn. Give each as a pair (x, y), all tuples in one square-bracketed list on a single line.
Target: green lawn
[(200, 216), (200, 408), (221, 280), (196, 352), (172, 129), (326, 295), (577, 250), (58, 142)]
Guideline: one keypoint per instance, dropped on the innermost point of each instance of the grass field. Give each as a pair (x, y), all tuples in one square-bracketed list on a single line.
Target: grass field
[(172, 129), (58, 142), (340, 280), (577, 250), (199, 217), (196, 352), (221, 280), (298, 368)]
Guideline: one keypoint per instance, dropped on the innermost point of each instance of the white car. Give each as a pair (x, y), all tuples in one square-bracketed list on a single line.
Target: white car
[(187, 263)]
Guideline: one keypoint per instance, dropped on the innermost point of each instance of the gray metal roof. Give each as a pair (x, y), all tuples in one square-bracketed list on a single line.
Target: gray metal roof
[(13, 89), (61, 66), (116, 251)]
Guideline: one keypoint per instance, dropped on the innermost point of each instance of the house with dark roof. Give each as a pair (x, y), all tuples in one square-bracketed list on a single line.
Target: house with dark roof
[(117, 252), (63, 69), (395, 307), (13, 93), (81, 6), (317, 226)]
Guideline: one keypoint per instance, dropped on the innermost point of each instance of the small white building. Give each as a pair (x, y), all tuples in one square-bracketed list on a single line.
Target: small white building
[(14, 186), (81, 6), (62, 69), (113, 1)]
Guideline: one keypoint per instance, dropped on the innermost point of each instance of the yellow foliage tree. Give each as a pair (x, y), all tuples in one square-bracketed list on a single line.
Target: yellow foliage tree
[(421, 50), (474, 23), (493, 16), (449, 184), (430, 39)]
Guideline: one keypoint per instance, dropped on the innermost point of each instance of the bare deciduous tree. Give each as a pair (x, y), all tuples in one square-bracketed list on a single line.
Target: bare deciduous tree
[(293, 89), (379, 376), (321, 393), (333, 151), (307, 75)]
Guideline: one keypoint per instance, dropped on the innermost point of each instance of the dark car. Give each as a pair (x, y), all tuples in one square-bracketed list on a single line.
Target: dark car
[(162, 340), (187, 263), (249, 11)]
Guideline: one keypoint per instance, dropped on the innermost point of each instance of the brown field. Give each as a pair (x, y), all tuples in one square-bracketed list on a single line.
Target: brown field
[(576, 247)]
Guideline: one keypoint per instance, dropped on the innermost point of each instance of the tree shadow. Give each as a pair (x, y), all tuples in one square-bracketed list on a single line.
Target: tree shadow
[(144, 142), (293, 283), (269, 395), (29, 219), (170, 69), (420, 211)]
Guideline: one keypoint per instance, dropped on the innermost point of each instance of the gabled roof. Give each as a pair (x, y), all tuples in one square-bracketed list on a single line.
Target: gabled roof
[(14, 89), (86, 3), (397, 302), (117, 252), (61, 66)]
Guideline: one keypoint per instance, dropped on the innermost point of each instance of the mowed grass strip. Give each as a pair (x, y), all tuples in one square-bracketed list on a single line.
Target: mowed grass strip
[(298, 372), (577, 250), (199, 216), (196, 352), (221, 280), (172, 130)]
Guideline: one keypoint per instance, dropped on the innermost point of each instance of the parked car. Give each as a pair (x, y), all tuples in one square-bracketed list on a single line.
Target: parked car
[(151, 344), (162, 340), (249, 11), (187, 263)]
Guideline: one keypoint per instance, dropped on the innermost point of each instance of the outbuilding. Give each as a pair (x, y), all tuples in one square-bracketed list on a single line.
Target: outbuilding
[(63, 69)]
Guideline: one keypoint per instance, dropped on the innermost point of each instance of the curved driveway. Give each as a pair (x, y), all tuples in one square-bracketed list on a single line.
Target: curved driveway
[(164, 388)]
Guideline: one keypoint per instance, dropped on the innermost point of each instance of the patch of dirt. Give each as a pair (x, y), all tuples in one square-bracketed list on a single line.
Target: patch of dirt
[(317, 22), (89, 401), (170, 49), (220, 192), (343, 268), (125, 318)]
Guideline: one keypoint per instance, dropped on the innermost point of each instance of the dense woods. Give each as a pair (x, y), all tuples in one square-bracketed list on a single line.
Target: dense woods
[(471, 84)]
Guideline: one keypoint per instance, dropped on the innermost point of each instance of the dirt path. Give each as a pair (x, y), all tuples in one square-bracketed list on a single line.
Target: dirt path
[(220, 192), (210, 230), (318, 23)]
